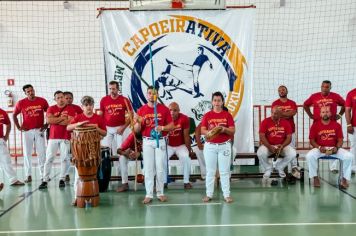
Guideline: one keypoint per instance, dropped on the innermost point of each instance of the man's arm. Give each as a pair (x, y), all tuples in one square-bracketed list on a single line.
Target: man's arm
[(265, 142), (7, 132), (307, 110), (350, 129), (187, 139), (53, 120), (16, 121)]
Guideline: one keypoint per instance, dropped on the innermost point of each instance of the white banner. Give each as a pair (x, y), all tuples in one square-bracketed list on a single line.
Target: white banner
[(194, 54)]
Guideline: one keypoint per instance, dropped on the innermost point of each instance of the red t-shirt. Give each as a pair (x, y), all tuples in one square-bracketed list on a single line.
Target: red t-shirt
[(4, 120), (114, 110), (212, 119), (95, 119), (326, 135), (32, 112), (275, 132), (78, 109), (57, 131), (129, 143), (317, 100), (288, 105), (148, 118), (176, 136), (351, 102)]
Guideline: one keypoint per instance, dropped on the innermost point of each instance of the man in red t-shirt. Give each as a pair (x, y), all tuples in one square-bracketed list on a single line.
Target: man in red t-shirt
[(5, 159), (69, 100), (58, 117), (326, 138), (87, 118), (350, 115), (113, 108), (275, 136), (323, 99), (179, 143), (288, 109), (129, 151), (78, 110), (154, 149), (32, 109)]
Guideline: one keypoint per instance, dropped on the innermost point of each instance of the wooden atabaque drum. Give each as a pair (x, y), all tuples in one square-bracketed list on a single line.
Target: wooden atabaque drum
[(85, 144)]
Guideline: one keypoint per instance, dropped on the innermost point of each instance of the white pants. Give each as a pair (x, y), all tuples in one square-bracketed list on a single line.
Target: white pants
[(112, 139), (153, 159), (217, 155), (53, 146), (353, 148), (288, 152), (34, 136), (124, 162), (343, 155), (183, 155), (294, 162), (201, 160), (5, 162)]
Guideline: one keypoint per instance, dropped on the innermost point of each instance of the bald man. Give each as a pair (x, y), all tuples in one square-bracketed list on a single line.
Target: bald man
[(179, 142)]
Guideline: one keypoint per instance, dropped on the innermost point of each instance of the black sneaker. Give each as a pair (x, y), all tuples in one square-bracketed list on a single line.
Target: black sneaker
[(67, 178), (62, 184), (43, 185)]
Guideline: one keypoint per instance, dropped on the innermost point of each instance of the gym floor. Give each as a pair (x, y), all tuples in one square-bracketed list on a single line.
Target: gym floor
[(257, 210)]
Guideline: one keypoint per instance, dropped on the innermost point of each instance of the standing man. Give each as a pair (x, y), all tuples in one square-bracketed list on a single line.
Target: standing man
[(32, 109), (323, 99), (326, 136), (58, 117), (78, 110), (275, 136), (287, 110), (5, 159), (113, 108), (350, 115), (154, 153), (179, 143)]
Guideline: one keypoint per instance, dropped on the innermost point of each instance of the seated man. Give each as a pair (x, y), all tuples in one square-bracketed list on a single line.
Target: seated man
[(326, 137), (128, 151), (275, 136), (179, 143)]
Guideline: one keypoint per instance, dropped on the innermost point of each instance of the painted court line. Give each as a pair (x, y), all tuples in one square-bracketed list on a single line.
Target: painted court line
[(185, 204), (179, 226)]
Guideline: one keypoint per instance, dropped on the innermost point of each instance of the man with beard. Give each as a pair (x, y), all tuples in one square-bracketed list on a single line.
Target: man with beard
[(275, 136), (287, 110), (113, 108), (326, 137), (32, 109)]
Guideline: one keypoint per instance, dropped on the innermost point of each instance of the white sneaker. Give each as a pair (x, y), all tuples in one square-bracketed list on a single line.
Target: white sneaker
[(281, 174), (267, 174), (296, 172)]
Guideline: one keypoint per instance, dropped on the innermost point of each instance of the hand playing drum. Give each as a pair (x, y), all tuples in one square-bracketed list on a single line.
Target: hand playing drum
[(214, 132)]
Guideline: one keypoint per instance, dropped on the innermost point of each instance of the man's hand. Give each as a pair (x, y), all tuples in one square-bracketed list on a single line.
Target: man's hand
[(322, 149), (350, 129), (44, 127), (200, 146), (6, 137), (120, 130)]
